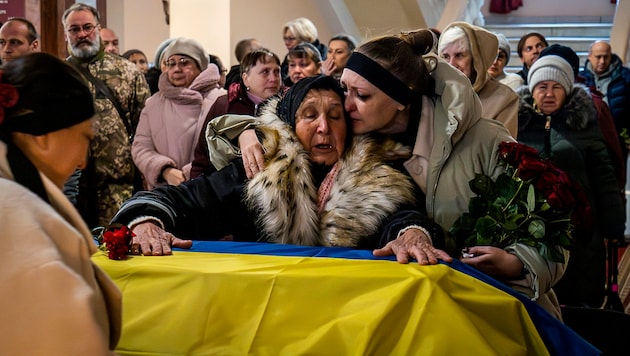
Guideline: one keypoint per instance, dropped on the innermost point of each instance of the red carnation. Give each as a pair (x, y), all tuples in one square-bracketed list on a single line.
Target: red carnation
[(117, 241)]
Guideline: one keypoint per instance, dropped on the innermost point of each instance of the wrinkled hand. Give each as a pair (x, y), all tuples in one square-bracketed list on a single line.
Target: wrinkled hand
[(252, 152), (328, 66), (173, 176), (152, 240), (494, 262), (415, 244)]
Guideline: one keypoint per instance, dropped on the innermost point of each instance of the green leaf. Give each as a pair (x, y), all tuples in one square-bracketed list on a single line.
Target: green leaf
[(507, 187), (531, 198), (482, 185), (486, 226), (536, 228)]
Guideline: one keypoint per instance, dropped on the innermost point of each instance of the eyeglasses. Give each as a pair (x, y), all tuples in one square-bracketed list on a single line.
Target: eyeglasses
[(182, 62), (88, 28), (289, 39)]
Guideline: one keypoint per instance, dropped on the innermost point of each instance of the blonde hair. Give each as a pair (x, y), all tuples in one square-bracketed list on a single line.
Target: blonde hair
[(302, 28)]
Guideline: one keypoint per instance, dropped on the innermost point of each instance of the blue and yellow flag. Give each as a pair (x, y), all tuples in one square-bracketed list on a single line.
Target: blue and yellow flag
[(229, 298)]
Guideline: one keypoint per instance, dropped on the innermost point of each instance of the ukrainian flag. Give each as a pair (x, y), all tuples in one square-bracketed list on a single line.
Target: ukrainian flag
[(231, 298)]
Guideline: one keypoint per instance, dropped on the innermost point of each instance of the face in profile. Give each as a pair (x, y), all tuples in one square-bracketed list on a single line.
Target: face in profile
[(320, 125), (496, 69), (263, 79), (370, 109), (182, 70), (66, 150), (290, 41), (549, 96)]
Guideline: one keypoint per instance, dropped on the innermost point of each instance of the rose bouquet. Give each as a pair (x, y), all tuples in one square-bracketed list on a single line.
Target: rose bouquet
[(532, 202)]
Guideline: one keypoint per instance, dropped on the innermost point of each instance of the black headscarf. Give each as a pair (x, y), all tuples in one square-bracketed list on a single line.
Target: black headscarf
[(291, 101)]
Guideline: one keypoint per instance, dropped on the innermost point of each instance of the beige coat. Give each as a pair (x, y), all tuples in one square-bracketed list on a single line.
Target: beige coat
[(498, 101), (464, 144), (53, 300)]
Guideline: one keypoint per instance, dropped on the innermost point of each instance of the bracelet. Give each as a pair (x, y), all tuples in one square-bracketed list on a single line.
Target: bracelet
[(142, 219), (417, 227)]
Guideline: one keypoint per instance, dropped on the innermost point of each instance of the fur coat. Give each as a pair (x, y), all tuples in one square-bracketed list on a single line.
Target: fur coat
[(365, 192), (369, 200)]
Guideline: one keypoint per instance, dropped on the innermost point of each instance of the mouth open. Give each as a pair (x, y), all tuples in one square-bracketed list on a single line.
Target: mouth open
[(324, 147)]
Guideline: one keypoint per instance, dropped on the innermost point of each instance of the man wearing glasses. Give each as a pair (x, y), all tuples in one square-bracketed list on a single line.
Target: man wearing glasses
[(120, 91)]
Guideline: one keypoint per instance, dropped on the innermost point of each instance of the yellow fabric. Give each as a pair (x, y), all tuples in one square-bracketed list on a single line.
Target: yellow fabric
[(227, 304)]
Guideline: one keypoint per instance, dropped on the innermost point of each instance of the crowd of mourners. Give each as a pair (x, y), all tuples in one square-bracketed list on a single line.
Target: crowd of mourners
[(368, 145)]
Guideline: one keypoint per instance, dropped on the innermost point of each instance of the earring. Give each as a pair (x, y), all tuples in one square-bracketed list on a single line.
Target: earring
[(247, 88)]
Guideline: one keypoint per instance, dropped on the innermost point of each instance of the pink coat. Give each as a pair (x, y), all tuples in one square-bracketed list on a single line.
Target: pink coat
[(170, 124)]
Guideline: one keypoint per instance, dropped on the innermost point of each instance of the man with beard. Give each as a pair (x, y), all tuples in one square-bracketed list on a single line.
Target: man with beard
[(120, 91)]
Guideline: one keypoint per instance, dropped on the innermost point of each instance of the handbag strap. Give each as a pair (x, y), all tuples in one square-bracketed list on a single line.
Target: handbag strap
[(107, 91)]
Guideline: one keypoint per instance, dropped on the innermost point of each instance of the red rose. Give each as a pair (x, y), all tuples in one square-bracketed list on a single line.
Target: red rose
[(513, 152), (8, 97), (530, 167), (117, 241)]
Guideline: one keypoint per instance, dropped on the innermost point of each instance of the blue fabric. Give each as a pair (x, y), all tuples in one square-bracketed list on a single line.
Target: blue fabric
[(559, 339)]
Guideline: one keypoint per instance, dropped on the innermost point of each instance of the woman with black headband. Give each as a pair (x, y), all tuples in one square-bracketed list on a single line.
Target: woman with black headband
[(51, 292), (395, 87), (319, 188)]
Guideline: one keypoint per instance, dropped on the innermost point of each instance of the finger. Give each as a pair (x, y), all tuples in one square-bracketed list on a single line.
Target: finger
[(260, 161), (444, 256), (165, 245), (179, 243), (145, 248), (385, 251), (402, 256)]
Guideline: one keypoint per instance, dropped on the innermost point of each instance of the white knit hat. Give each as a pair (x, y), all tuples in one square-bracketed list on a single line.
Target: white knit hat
[(190, 48), (551, 68)]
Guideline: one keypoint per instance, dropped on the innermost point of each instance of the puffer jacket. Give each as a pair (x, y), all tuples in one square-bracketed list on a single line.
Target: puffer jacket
[(618, 93), (575, 144)]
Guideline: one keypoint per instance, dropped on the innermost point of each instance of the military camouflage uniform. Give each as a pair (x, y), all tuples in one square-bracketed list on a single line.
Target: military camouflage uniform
[(108, 180)]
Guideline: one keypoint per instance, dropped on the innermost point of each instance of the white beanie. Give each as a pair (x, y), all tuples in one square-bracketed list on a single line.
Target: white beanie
[(190, 48), (551, 68)]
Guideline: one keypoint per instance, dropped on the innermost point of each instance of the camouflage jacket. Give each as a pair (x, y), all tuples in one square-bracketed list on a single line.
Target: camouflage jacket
[(109, 181)]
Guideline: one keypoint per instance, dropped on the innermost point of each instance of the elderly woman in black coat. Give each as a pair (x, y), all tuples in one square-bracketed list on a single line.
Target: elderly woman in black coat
[(320, 187), (558, 118)]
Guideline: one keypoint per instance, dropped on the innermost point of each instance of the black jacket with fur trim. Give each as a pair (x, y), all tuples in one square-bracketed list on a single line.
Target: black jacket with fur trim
[(370, 200), (575, 144)]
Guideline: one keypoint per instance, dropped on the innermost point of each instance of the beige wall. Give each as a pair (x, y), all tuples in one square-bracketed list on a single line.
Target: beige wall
[(219, 24), (139, 24)]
